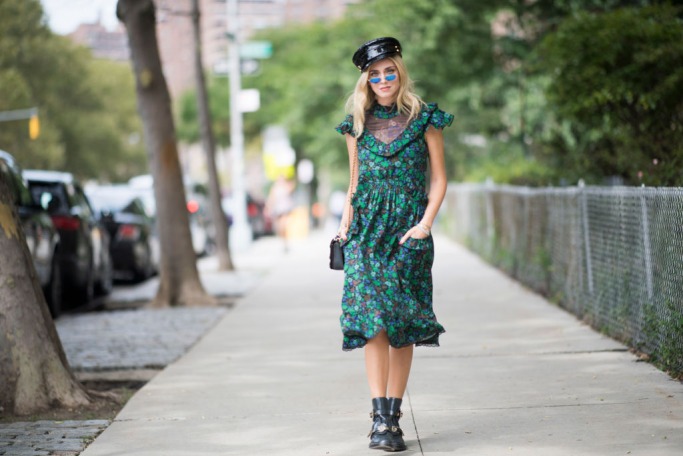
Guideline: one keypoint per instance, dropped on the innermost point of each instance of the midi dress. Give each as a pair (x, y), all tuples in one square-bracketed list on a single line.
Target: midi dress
[(388, 286)]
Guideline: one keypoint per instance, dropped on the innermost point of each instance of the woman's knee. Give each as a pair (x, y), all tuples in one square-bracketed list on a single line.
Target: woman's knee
[(380, 338)]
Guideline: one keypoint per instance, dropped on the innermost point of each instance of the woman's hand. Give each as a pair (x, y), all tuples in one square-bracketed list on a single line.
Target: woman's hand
[(416, 232), (341, 232)]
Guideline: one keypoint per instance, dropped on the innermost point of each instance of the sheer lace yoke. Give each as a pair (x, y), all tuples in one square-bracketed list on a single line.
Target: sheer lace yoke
[(386, 130)]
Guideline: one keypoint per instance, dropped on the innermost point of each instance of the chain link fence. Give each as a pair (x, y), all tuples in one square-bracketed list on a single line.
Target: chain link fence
[(613, 256)]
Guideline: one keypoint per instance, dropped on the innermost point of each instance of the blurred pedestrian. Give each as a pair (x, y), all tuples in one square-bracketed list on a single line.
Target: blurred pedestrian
[(336, 205), (394, 141), (279, 204)]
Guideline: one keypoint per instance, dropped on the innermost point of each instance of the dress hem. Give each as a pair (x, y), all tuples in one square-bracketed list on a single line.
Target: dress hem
[(431, 341)]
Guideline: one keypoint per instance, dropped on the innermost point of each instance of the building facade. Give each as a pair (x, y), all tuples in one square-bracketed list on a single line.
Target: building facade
[(174, 28)]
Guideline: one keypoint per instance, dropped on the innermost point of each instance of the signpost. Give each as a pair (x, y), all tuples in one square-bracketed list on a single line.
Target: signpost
[(240, 232)]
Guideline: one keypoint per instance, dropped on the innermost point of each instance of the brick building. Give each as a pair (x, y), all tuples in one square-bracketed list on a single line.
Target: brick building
[(175, 30)]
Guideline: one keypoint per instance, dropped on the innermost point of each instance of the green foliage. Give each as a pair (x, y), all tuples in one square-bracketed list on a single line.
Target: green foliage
[(219, 106), (618, 81), (507, 163), (663, 330), (520, 78), (86, 107)]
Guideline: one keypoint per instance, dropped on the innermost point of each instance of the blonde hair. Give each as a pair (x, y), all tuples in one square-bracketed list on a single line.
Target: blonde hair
[(362, 99)]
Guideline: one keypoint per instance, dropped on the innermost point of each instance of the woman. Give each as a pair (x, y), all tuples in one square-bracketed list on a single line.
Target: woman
[(279, 204), (392, 136)]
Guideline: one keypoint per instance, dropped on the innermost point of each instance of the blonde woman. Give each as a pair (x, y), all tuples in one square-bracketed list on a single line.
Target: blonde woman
[(395, 143)]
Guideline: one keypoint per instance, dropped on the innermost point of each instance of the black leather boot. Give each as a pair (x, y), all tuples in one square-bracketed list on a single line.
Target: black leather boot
[(380, 437), (397, 443)]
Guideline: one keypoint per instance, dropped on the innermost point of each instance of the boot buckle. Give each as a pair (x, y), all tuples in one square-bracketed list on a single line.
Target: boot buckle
[(381, 429)]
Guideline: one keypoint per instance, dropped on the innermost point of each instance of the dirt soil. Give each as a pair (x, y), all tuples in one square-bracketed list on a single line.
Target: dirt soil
[(102, 409)]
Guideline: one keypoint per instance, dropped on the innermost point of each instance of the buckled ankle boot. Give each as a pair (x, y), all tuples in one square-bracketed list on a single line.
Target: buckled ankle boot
[(397, 443), (380, 437)]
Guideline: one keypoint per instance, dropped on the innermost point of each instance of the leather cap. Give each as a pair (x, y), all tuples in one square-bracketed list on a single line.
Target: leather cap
[(375, 50)]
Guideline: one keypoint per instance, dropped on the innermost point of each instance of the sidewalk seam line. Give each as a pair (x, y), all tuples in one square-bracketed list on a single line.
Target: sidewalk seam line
[(412, 414)]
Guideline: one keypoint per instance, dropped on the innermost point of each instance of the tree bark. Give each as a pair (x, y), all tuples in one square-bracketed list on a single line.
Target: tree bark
[(209, 144), (179, 283), (34, 371)]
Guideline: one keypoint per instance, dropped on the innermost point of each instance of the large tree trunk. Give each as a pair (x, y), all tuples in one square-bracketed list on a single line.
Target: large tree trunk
[(179, 279), (209, 143), (34, 371)]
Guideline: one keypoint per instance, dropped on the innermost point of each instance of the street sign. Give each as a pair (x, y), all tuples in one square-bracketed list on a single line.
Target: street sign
[(256, 50), (248, 67), (249, 100)]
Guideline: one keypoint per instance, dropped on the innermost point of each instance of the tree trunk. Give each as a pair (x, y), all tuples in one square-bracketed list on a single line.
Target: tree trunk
[(179, 280), (34, 371), (209, 143)]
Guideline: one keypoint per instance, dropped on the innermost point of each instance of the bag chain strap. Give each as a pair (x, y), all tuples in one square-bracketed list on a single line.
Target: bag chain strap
[(354, 163)]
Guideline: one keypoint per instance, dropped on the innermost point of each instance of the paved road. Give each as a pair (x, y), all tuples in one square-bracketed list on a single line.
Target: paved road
[(514, 375)]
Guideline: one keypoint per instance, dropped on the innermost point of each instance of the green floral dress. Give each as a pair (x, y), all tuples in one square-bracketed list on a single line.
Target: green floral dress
[(386, 285)]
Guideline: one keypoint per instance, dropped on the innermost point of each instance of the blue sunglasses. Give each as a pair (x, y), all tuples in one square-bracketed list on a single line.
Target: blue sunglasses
[(387, 78)]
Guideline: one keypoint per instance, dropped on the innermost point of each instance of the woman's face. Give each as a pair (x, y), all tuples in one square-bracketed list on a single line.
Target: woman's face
[(384, 81)]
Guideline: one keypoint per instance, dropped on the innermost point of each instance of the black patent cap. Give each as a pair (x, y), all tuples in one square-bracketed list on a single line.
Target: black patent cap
[(375, 50)]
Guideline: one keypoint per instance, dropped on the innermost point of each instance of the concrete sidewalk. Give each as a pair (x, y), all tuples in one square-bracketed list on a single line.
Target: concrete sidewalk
[(514, 375)]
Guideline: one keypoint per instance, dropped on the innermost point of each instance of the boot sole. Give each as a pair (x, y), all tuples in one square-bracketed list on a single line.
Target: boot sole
[(387, 447)]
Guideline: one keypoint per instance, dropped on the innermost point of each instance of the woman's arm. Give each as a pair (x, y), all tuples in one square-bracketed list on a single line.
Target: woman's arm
[(347, 214), (437, 185)]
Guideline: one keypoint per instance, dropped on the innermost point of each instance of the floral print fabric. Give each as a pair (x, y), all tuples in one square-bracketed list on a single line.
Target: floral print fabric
[(386, 285)]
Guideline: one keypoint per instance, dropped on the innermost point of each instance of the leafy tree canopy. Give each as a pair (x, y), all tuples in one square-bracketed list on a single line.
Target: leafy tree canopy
[(88, 123), (544, 92), (618, 78)]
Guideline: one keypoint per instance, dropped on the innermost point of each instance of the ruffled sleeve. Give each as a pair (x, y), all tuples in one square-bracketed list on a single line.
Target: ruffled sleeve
[(438, 118), (346, 127)]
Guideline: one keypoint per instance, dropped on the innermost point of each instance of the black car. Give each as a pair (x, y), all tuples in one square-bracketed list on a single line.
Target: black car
[(84, 246), (261, 224), (42, 237), (134, 245)]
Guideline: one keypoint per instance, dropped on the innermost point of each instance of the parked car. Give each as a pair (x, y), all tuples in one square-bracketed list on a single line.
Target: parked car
[(84, 246), (42, 237), (261, 224), (134, 245)]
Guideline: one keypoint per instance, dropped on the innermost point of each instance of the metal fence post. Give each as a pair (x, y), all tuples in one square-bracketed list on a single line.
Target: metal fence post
[(646, 243), (490, 233), (586, 236)]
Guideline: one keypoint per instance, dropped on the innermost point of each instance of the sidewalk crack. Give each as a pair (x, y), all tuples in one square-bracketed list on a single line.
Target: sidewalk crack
[(412, 414)]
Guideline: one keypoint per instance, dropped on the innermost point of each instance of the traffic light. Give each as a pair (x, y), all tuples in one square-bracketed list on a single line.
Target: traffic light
[(33, 127)]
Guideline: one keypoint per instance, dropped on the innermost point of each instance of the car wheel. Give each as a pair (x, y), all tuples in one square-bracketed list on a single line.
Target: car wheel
[(86, 293), (144, 271), (53, 291)]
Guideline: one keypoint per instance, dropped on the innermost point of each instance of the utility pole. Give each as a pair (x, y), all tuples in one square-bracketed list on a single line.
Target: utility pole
[(240, 231)]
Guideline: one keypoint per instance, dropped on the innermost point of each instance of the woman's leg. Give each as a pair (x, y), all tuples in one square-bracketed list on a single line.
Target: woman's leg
[(387, 370), (400, 360), (377, 364)]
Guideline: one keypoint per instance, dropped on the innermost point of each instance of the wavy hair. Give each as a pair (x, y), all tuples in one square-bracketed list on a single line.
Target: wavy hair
[(362, 99)]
